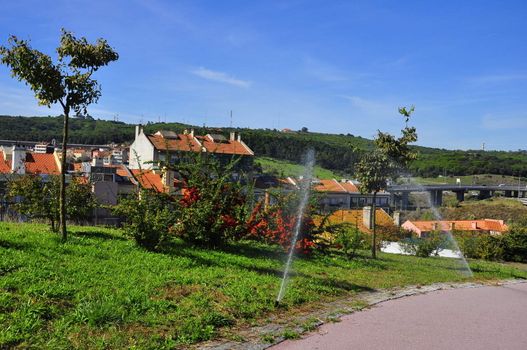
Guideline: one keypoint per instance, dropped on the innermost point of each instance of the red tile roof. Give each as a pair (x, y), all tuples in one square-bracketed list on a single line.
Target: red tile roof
[(183, 142), (188, 142), (36, 163), (150, 179), (335, 186), (226, 147), (458, 225), (41, 163), (5, 166), (355, 217)]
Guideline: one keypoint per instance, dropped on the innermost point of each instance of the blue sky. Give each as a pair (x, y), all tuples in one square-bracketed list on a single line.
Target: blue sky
[(331, 66)]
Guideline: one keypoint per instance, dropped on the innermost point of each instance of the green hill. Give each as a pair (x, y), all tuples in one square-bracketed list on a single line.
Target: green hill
[(336, 152)]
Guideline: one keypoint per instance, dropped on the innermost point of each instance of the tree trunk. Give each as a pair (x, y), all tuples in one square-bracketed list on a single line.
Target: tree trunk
[(373, 226), (63, 169)]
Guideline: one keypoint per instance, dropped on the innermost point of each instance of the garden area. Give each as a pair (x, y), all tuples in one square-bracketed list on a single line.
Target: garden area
[(101, 290)]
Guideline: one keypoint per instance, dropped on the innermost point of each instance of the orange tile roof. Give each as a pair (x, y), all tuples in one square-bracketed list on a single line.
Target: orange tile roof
[(226, 147), (187, 142), (41, 163), (184, 142), (5, 166), (355, 217), (36, 163), (335, 186), (148, 179), (458, 225)]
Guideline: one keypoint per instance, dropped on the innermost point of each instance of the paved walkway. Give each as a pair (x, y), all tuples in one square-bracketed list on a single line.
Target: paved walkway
[(490, 317)]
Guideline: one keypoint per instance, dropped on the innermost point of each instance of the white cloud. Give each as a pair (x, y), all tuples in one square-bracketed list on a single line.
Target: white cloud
[(220, 77)]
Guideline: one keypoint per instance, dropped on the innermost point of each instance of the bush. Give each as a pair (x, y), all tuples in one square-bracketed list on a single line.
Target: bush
[(349, 239), (148, 218), (214, 206), (516, 244), (424, 247)]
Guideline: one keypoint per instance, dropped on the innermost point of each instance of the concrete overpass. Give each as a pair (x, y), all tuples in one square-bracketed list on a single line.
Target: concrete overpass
[(401, 193)]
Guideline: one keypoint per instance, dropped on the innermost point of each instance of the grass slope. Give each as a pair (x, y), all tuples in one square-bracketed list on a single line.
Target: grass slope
[(284, 168), (99, 290)]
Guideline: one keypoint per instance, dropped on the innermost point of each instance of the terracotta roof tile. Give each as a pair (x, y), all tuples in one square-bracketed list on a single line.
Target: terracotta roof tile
[(458, 225), (227, 147), (41, 163), (36, 163), (184, 142), (335, 186), (355, 217), (5, 166)]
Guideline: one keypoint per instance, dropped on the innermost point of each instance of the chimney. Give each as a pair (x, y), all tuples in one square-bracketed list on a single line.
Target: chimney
[(168, 179), (474, 225), (192, 132), (18, 159), (233, 136), (434, 226), (397, 218), (267, 199), (366, 217), (239, 137), (452, 226), (138, 130)]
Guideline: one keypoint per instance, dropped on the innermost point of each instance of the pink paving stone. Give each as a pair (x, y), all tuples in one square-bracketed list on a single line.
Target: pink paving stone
[(490, 317)]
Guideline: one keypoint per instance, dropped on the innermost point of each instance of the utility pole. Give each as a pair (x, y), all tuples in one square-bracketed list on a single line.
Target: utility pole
[(231, 120)]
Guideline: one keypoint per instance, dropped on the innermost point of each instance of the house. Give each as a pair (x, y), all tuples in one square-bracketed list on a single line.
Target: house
[(345, 194), (149, 150), (361, 218), (422, 228), (17, 160)]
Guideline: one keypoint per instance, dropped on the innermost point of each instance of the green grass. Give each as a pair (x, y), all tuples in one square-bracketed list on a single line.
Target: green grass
[(99, 290), (285, 168)]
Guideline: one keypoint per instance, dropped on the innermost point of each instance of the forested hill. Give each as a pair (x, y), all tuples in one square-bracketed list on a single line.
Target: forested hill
[(335, 152)]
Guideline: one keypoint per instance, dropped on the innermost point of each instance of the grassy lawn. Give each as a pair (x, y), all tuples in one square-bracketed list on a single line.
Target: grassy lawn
[(99, 290), (285, 168)]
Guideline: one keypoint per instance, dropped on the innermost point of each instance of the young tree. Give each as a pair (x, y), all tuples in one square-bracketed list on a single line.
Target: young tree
[(39, 199), (376, 168), (34, 198), (67, 82)]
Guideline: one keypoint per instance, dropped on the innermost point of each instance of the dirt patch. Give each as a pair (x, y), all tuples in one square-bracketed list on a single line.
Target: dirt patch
[(176, 292)]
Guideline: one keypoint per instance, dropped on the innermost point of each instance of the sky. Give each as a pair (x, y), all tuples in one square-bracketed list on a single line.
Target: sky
[(331, 66)]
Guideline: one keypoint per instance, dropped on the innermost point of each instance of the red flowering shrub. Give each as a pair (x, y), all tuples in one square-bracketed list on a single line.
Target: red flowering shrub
[(278, 227)]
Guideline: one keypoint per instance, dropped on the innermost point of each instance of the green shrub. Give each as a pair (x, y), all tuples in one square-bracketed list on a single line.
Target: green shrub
[(516, 244), (491, 247), (423, 247), (349, 239), (148, 218)]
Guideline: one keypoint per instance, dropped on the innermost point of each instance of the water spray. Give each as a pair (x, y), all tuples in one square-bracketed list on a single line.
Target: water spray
[(305, 186)]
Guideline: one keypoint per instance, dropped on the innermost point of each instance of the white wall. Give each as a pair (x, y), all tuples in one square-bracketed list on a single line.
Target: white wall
[(141, 151)]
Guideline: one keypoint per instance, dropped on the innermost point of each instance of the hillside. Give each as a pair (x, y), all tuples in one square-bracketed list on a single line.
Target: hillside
[(336, 152)]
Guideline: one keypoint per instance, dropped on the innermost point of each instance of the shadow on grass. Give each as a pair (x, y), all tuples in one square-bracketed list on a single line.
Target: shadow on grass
[(14, 245), (212, 261), (98, 234)]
